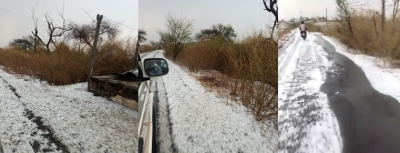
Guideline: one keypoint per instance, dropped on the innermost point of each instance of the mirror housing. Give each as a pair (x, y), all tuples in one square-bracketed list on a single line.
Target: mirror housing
[(155, 67)]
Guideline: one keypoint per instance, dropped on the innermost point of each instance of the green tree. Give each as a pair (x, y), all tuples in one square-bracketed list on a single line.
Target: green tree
[(226, 32)]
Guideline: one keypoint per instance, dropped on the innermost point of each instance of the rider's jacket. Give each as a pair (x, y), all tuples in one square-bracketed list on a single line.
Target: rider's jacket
[(302, 27)]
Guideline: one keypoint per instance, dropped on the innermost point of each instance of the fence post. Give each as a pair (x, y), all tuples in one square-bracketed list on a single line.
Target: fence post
[(94, 50)]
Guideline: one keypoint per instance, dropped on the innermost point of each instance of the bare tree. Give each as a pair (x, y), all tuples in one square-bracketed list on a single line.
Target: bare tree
[(395, 10), (53, 31), (163, 39), (272, 7), (179, 31), (345, 14), (85, 33)]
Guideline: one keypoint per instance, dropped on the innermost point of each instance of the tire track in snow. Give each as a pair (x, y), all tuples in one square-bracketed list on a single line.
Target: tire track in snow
[(306, 123), (46, 130), (287, 57), (164, 119)]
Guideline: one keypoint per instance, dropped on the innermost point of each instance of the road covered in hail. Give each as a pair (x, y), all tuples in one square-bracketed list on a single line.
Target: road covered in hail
[(333, 101), (38, 117), (192, 119), (306, 123)]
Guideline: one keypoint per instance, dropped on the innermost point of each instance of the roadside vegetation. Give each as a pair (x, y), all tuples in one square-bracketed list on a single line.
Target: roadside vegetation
[(246, 68), (368, 31), (68, 65), (286, 27), (64, 56)]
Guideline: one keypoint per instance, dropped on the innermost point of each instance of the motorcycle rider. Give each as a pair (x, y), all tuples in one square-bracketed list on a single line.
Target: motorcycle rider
[(302, 28)]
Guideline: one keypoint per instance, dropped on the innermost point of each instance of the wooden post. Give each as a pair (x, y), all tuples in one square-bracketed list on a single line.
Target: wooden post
[(94, 50)]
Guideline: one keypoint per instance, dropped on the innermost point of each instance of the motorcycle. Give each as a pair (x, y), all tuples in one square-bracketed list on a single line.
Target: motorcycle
[(303, 34)]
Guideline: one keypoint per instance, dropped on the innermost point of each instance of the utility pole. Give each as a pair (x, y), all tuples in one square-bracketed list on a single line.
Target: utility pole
[(300, 16), (326, 16), (94, 50)]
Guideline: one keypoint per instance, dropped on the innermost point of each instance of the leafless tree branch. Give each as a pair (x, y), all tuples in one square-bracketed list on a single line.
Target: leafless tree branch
[(395, 9), (272, 7), (53, 31)]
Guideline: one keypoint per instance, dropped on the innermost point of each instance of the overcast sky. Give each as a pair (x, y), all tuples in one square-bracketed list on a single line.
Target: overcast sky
[(291, 8), (243, 15), (16, 16), (311, 8)]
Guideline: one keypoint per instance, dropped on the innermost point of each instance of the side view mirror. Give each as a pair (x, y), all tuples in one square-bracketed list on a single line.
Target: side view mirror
[(154, 67)]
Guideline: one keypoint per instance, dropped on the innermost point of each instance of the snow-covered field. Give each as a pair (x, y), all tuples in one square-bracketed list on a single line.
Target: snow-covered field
[(202, 121), (36, 116), (384, 79), (306, 122)]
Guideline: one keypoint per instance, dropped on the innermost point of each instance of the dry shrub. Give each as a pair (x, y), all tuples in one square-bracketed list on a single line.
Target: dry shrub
[(67, 65), (112, 57), (204, 55), (168, 51), (59, 67), (368, 36), (255, 64), (146, 48), (252, 63), (214, 80)]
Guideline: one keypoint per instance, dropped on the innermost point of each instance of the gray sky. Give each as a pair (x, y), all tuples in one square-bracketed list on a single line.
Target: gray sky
[(311, 8), (16, 16), (243, 15), (291, 8)]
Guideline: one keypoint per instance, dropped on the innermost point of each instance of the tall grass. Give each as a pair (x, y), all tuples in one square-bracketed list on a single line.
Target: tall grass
[(255, 63), (368, 36), (67, 65), (251, 63)]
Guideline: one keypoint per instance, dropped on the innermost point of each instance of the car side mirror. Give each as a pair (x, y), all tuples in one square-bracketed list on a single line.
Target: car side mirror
[(155, 67)]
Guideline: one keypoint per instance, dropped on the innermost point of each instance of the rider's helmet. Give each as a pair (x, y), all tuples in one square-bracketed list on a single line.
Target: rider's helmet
[(302, 22)]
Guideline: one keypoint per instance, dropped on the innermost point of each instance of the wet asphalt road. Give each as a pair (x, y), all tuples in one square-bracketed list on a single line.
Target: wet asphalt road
[(369, 121)]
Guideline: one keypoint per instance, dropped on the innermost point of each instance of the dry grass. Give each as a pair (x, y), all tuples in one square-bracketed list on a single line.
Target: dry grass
[(368, 36), (146, 48), (251, 64), (67, 65), (255, 64), (214, 81), (284, 31), (313, 27)]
